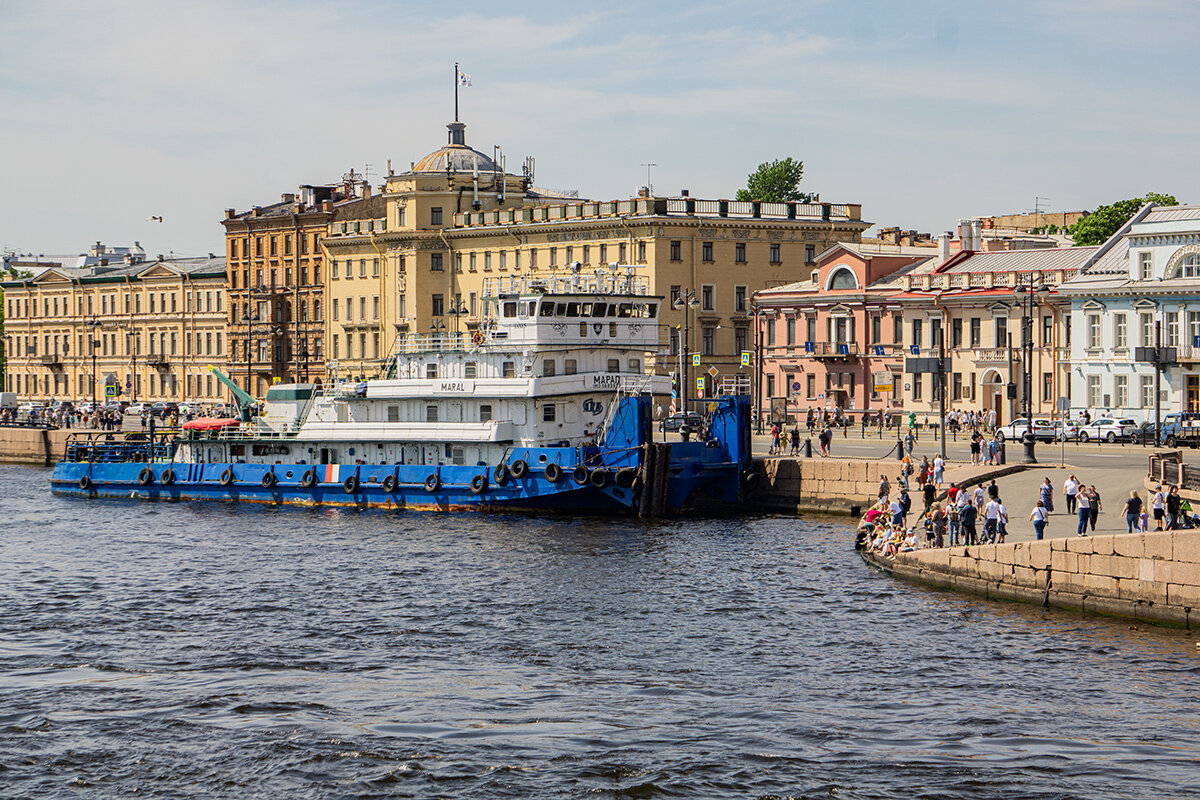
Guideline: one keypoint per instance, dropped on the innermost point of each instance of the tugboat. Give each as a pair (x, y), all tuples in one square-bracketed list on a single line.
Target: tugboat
[(546, 406)]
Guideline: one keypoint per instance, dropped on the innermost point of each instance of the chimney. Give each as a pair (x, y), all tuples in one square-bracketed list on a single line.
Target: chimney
[(327, 205), (229, 213), (977, 234), (289, 198), (683, 192), (943, 247), (256, 211), (365, 189)]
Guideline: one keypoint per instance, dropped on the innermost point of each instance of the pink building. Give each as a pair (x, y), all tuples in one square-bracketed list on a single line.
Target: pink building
[(820, 341)]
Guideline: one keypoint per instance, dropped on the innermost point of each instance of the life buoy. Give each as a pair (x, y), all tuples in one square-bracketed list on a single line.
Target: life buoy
[(167, 477), (478, 484), (500, 474), (85, 482), (389, 484), (518, 468), (350, 485), (268, 480), (477, 337), (625, 477), (146, 476), (226, 477), (553, 472), (580, 475), (600, 477), (433, 483)]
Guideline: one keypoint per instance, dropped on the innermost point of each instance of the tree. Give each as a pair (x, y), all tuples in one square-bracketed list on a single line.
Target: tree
[(775, 182), (1096, 227)]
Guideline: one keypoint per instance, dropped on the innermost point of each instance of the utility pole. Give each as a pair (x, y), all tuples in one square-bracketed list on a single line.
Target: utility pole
[(1157, 381), (941, 378)]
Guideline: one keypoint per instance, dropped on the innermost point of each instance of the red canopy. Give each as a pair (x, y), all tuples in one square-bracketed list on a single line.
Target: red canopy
[(209, 424)]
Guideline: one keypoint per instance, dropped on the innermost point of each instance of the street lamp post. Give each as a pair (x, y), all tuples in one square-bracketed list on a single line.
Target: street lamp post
[(129, 339), (1027, 296), (249, 317), (686, 300), (758, 359), (94, 324)]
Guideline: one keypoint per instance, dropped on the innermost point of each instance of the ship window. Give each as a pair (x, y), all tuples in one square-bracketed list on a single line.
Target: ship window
[(457, 456), (548, 368), (393, 413), (626, 310), (547, 309), (570, 367), (612, 329), (431, 370), (652, 310), (485, 413), (509, 369), (585, 309), (612, 309), (548, 412), (431, 414), (510, 309), (529, 309), (560, 310), (614, 365), (469, 369), (635, 365), (600, 309), (573, 309), (583, 329)]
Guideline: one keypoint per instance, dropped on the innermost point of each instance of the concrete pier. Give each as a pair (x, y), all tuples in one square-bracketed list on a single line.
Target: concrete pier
[(38, 446)]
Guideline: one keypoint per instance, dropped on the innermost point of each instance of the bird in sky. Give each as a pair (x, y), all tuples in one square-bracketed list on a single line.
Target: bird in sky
[(154, 219)]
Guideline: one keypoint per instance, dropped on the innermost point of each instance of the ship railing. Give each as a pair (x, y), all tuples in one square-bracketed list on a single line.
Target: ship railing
[(119, 446), (603, 279)]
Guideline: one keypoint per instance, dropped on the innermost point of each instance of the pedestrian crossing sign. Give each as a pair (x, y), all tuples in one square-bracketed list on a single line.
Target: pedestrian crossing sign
[(696, 360), (745, 359)]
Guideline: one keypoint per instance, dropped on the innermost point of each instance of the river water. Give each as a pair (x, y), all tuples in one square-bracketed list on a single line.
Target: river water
[(199, 650)]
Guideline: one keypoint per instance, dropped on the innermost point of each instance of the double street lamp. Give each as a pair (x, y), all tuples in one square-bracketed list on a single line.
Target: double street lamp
[(249, 317), (685, 301), (94, 323), (1027, 297)]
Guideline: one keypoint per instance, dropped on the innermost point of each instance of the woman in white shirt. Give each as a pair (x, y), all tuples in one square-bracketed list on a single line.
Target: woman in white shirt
[(1039, 517)]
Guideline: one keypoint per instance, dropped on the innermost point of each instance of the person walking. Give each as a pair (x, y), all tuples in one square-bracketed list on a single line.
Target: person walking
[(795, 440), (1071, 493), (991, 520), (1094, 506), (976, 440), (1046, 495), (939, 469), (923, 472), (774, 440), (885, 488), (1039, 515), (908, 442), (1159, 504), (1133, 511), (966, 519), (930, 494), (905, 506), (1083, 502), (1172, 508)]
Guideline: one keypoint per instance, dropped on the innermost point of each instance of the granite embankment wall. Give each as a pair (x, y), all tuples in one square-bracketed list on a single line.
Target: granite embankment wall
[(1152, 576), (31, 445)]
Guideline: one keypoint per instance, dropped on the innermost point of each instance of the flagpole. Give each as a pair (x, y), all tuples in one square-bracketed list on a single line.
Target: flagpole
[(456, 91)]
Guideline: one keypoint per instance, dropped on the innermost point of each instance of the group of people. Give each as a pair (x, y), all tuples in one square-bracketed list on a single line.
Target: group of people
[(953, 521), (784, 441), (65, 417)]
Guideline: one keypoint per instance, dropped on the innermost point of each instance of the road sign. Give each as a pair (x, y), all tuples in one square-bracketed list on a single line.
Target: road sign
[(110, 391), (923, 365), (700, 385), (745, 359), (128, 384), (883, 381), (696, 360), (796, 386), (1062, 404), (713, 371)]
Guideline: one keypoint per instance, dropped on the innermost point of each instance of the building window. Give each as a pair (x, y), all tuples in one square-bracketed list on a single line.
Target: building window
[(1145, 266), (708, 337), (435, 262), (1093, 331), (770, 386), (790, 327), (1147, 391), (438, 306), (676, 250), (375, 267), (739, 252), (333, 269), (775, 257), (770, 323), (1093, 391), (740, 335), (435, 215), (553, 256), (706, 251), (739, 299), (706, 297), (1189, 267), (1147, 325), (917, 334), (917, 381), (810, 254), (1119, 336), (641, 252), (1171, 320)]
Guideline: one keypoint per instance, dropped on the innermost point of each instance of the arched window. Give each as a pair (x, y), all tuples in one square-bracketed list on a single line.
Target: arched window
[(1189, 267), (843, 278)]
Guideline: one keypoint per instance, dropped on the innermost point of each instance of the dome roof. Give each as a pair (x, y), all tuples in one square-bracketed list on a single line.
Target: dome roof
[(456, 156)]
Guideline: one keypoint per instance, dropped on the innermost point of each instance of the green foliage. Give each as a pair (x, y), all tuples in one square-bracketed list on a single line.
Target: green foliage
[(775, 181), (1102, 223)]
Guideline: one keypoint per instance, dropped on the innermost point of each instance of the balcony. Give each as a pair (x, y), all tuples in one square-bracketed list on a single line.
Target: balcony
[(156, 360), (51, 360), (991, 355), (832, 351)]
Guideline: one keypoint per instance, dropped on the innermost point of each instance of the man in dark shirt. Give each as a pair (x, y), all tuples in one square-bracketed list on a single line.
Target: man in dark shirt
[(930, 496)]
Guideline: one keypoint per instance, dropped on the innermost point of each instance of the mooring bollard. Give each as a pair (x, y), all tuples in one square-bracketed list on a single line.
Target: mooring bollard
[(808, 448)]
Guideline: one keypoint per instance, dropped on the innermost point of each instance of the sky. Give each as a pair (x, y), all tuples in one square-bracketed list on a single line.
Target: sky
[(923, 112)]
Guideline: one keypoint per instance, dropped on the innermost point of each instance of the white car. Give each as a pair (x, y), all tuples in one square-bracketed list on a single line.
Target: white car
[(136, 408), (1043, 430), (1108, 430)]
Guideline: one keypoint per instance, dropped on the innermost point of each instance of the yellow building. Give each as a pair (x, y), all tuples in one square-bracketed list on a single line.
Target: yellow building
[(457, 219), (147, 328)]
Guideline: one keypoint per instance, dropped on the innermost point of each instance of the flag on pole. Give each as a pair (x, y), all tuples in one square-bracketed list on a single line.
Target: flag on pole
[(464, 79)]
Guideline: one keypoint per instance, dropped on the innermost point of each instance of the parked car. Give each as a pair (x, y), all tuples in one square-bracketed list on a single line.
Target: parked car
[(1065, 430), (1108, 429), (163, 409), (136, 408), (679, 421), (1043, 430)]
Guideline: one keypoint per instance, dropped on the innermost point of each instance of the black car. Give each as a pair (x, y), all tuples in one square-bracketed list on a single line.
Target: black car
[(162, 409), (681, 422)]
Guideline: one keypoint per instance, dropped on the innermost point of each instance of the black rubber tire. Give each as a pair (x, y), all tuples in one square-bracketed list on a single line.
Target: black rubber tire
[(308, 479), (500, 474), (167, 477), (1111, 437), (226, 477), (146, 476), (600, 477), (85, 482), (478, 484), (1084, 437), (1171, 442), (433, 483), (554, 472), (269, 480), (389, 484), (625, 477), (350, 485), (580, 475), (518, 468)]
